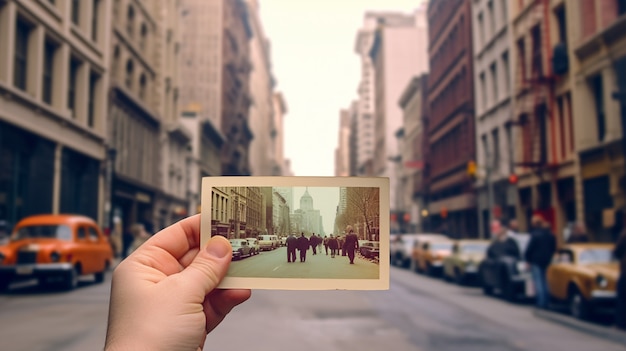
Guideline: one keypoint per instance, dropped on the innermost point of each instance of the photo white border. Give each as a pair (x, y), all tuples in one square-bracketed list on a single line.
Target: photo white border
[(382, 283)]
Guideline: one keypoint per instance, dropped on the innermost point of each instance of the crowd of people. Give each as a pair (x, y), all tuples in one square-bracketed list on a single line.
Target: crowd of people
[(345, 245)]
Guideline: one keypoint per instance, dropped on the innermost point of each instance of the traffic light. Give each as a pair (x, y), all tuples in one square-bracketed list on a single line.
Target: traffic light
[(513, 179), (471, 169), (444, 212)]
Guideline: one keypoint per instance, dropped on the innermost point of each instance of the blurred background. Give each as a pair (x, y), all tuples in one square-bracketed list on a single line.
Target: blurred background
[(476, 110)]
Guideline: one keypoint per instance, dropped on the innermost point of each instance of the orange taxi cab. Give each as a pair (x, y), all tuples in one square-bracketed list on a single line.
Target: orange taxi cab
[(55, 249)]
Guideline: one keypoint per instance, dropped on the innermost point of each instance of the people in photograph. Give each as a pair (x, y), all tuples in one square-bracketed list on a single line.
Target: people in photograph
[(578, 234), (341, 249), (313, 243), (326, 244), (292, 245), (351, 244), (620, 254), (539, 254), (333, 244), (502, 244), (303, 246)]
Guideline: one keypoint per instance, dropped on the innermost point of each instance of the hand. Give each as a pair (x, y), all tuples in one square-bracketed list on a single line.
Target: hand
[(163, 295)]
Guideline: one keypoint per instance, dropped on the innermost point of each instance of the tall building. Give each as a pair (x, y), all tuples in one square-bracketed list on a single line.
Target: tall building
[(54, 58), (342, 152), (287, 194), (451, 133), (493, 84), (281, 165), (398, 53)]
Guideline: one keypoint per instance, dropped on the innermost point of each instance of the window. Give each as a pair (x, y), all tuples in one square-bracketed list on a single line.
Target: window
[(143, 36), (20, 71), (94, 20), (598, 95), (496, 148), (142, 87), (537, 70), (82, 233), (73, 81), (130, 18), (561, 21), (76, 12), (481, 29), (507, 74), (91, 104), (116, 61), (621, 7), (129, 74), (48, 71), (521, 57), (494, 82), (93, 234), (492, 19), (483, 90)]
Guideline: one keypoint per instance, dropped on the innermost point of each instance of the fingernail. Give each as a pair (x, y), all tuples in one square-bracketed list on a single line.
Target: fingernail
[(217, 248)]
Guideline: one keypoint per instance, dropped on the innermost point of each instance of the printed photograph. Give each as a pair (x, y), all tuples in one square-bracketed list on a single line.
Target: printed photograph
[(321, 233)]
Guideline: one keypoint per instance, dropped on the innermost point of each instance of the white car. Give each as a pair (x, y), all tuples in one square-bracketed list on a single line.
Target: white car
[(254, 246), (268, 242)]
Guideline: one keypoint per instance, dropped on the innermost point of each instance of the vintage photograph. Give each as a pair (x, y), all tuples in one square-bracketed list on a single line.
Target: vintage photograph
[(301, 232)]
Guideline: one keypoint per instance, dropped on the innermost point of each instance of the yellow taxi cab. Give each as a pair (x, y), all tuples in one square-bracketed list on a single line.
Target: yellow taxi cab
[(55, 249), (429, 253), (584, 276), (462, 264)]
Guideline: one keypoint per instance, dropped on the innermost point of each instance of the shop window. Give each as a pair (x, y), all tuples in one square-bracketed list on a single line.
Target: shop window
[(20, 69)]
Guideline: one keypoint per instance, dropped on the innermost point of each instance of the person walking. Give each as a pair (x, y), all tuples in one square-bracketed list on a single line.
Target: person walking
[(341, 240), (292, 244), (333, 244), (313, 243), (351, 244), (303, 246), (539, 254), (620, 254), (326, 244)]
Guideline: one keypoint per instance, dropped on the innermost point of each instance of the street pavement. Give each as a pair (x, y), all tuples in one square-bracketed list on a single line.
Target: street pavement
[(417, 313), (273, 264)]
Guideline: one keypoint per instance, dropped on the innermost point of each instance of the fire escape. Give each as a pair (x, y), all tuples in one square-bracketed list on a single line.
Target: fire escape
[(534, 88)]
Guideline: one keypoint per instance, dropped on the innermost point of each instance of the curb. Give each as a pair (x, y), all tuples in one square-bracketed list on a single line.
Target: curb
[(585, 327)]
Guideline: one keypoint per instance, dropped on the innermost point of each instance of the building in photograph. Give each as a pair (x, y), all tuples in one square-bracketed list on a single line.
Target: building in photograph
[(280, 213), (309, 217), (287, 194), (451, 202), (398, 52), (54, 58), (493, 86), (220, 211)]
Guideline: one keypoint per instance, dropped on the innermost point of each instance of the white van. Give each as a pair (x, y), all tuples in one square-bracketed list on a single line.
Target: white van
[(268, 242)]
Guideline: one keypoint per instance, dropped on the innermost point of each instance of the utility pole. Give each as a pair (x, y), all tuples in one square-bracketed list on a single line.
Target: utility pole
[(489, 184)]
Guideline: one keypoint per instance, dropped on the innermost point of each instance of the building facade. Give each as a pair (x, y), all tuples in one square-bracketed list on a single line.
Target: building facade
[(54, 57), (451, 134), (342, 152), (281, 165)]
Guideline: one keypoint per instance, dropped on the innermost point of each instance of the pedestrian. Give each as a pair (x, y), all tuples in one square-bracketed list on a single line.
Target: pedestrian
[(292, 244), (333, 244), (578, 234), (303, 246), (341, 249), (539, 254), (326, 244), (313, 243), (140, 236), (502, 244), (513, 228), (620, 254), (351, 244)]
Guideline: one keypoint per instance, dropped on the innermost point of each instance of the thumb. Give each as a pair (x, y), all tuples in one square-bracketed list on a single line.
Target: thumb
[(209, 267)]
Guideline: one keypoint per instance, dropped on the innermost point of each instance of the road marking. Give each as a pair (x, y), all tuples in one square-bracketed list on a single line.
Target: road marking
[(273, 270)]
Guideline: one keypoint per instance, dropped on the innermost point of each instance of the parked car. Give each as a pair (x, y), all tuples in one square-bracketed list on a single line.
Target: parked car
[(510, 276), (254, 245), (268, 242), (241, 248), (400, 248), (462, 264), (283, 241), (369, 249), (55, 249), (584, 276), (429, 252)]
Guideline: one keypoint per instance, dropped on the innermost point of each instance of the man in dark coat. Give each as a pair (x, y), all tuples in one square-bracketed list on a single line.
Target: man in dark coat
[(351, 244), (326, 244), (620, 254), (539, 254), (303, 246), (502, 244), (333, 244), (313, 243), (292, 244)]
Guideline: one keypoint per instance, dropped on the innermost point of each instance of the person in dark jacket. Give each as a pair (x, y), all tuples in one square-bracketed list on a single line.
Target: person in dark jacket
[(303, 246), (333, 244), (502, 244), (292, 244), (539, 254), (326, 244), (351, 244), (313, 243), (620, 254)]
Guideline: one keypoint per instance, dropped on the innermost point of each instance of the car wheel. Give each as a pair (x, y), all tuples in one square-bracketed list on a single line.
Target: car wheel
[(508, 291), (458, 277), (414, 267), (4, 286), (487, 290), (429, 270), (71, 281), (578, 307)]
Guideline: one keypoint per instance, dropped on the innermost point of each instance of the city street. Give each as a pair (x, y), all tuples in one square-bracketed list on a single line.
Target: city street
[(418, 313), (273, 264)]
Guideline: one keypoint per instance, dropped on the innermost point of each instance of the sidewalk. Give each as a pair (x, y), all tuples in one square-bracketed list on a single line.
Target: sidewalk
[(609, 333)]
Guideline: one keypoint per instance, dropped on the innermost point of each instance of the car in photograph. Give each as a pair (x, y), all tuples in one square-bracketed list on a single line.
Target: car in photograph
[(283, 241), (585, 277), (268, 242), (241, 248), (429, 252), (462, 264), (510, 276), (55, 249), (255, 248), (369, 249)]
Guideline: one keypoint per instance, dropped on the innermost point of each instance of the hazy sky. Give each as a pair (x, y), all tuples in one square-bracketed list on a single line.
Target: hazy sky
[(312, 50), (325, 199)]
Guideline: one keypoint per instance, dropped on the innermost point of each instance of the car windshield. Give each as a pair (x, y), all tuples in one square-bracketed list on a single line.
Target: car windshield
[(61, 232), (442, 246), (474, 248), (595, 256), (375, 245)]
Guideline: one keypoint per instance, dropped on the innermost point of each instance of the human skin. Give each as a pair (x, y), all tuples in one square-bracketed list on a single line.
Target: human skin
[(164, 296)]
